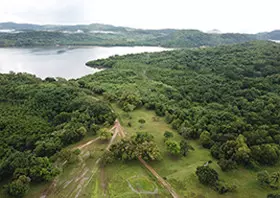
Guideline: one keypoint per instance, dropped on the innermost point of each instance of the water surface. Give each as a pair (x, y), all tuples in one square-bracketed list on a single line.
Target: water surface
[(65, 62)]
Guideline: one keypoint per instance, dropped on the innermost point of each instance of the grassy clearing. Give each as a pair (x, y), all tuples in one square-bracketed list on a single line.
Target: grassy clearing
[(142, 184), (180, 172), (80, 175), (119, 173)]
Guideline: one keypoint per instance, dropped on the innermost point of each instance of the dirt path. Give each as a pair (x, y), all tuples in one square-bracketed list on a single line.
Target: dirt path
[(159, 178), (117, 130), (87, 143)]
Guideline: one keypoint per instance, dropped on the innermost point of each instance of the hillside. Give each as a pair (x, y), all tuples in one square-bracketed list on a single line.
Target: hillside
[(213, 109), (37, 120), (226, 97), (12, 34)]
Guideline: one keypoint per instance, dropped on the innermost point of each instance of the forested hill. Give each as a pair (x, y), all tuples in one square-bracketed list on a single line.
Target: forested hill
[(227, 96), (37, 119), (12, 34)]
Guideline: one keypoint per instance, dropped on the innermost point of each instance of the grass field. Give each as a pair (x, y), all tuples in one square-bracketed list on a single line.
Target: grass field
[(180, 172)]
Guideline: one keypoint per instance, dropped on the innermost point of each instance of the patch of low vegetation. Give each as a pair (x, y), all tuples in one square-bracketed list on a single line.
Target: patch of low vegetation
[(271, 180), (142, 185)]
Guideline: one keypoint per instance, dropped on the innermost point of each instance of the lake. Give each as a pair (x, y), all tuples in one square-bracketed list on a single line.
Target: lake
[(65, 62)]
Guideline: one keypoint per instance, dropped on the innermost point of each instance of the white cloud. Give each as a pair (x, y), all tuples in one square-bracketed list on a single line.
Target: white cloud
[(226, 15)]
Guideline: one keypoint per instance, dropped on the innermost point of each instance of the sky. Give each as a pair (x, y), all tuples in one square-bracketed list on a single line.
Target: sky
[(245, 16)]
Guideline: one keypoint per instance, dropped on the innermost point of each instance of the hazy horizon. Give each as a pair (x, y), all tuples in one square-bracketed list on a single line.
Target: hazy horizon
[(227, 16)]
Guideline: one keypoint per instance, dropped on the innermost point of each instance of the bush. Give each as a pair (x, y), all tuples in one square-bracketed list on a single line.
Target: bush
[(141, 121), (107, 158), (168, 134), (142, 137), (173, 147), (19, 187), (227, 164), (263, 178), (205, 139), (207, 175), (273, 195), (222, 187), (105, 134)]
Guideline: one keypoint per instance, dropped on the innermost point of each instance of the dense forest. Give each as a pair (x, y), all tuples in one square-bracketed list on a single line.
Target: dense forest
[(227, 97), (107, 35), (37, 119)]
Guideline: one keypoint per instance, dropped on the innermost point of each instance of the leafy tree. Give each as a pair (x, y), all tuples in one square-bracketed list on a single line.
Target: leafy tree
[(124, 150), (107, 158), (94, 128), (105, 134), (207, 175), (266, 153), (142, 137), (173, 147), (149, 151), (69, 156), (18, 187), (141, 145), (71, 134), (243, 153), (205, 139), (227, 164), (48, 147), (184, 147)]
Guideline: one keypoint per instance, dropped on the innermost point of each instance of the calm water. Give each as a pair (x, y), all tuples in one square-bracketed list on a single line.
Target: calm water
[(60, 62)]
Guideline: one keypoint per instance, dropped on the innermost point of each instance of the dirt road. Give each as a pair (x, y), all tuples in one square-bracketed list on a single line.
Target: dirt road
[(87, 143), (116, 130), (163, 182)]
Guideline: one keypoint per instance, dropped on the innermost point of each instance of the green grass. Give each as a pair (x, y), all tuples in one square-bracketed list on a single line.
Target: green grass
[(142, 184), (119, 173)]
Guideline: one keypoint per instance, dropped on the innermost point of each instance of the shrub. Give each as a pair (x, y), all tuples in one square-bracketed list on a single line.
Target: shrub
[(222, 187), (207, 175), (168, 134), (19, 187)]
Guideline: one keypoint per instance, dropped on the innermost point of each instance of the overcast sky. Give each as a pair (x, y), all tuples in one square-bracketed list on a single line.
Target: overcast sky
[(248, 16)]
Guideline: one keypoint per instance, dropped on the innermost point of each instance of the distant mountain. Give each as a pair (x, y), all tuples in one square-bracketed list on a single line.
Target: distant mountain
[(74, 28), (13, 34), (22, 26), (274, 35), (214, 31)]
